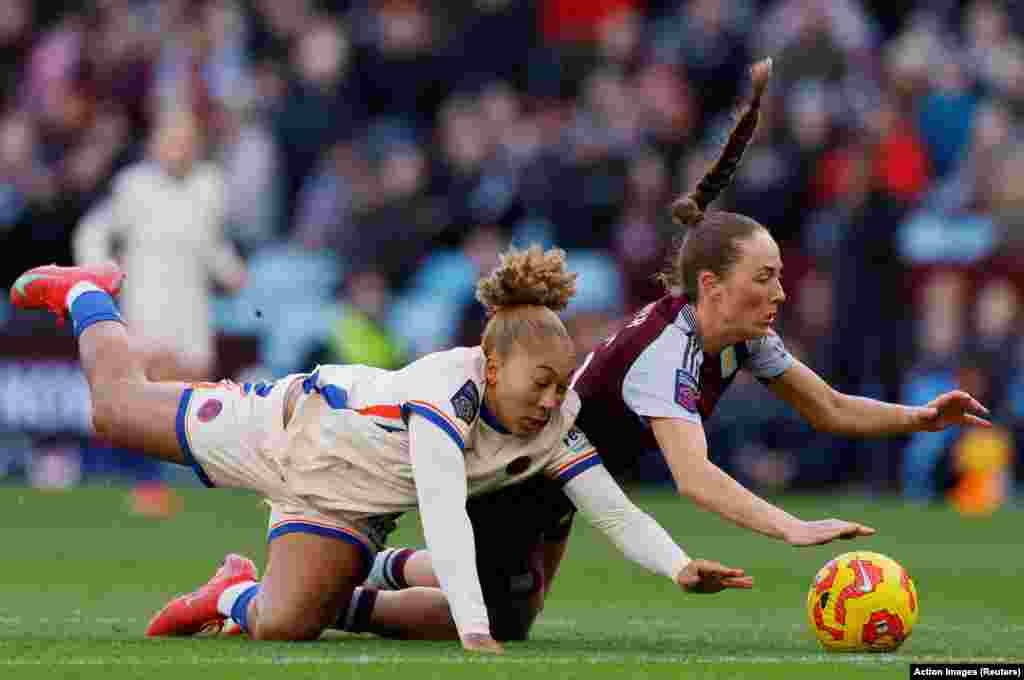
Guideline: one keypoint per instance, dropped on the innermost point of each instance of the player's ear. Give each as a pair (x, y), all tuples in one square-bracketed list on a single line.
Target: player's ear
[(707, 282), (491, 370)]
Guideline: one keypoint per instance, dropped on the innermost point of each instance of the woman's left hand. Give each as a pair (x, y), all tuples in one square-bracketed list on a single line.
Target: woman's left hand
[(949, 409)]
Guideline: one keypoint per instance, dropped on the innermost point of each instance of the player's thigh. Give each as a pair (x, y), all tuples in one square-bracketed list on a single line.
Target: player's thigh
[(307, 585), (143, 416)]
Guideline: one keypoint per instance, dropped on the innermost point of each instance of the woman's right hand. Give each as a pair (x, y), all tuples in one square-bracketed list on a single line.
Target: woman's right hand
[(481, 642)]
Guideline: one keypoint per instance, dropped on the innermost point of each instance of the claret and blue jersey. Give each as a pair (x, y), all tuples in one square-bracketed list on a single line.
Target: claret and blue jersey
[(656, 367)]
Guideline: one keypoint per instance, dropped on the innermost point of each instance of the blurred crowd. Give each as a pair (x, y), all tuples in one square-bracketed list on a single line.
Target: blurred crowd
[(331, 177)]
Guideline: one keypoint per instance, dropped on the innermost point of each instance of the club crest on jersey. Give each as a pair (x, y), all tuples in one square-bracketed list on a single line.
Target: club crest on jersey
[(687, 393), (729, 363), (209, 410), (466, 402)]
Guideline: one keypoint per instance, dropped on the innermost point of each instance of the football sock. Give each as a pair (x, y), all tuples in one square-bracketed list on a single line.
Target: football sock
[(388, 570), (356, 618), (234, 602), (89, 305)]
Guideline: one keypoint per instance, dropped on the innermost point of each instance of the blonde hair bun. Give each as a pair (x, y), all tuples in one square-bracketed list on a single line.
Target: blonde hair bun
[(533, 276)]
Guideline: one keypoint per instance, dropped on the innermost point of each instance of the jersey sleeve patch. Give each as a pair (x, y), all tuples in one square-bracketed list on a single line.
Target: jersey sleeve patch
[(575, 455), (576, 442), (687, 392), (466, 402)]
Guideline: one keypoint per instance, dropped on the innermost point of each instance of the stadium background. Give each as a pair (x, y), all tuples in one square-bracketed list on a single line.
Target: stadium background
[(378, 155)]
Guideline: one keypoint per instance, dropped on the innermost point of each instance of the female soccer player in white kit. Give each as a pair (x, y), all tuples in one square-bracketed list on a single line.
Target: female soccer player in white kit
[(340, 452)]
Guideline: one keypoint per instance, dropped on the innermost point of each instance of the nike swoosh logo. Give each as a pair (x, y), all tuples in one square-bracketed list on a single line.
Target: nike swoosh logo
[(867, 586), (26, 279)]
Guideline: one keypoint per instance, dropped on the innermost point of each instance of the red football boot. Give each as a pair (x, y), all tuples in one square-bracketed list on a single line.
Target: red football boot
[(47, 287), (197, 611)]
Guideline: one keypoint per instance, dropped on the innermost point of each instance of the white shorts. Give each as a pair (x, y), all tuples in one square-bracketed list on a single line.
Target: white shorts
[(227, 433)]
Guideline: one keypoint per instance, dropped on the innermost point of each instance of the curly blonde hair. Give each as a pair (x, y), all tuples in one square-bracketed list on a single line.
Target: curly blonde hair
[(528, 277), (523, 296)]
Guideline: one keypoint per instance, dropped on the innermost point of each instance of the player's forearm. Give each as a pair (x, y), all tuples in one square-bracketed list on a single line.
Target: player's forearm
[(714, 490), (635, 533), (440, 476), (452, 548), (854, 416), (643, 541)]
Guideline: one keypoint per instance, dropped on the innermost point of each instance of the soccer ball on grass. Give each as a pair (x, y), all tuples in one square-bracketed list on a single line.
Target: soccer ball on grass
[(862, 602)]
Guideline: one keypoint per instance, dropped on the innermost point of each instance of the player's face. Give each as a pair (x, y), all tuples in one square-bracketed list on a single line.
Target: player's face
[(529, 384), (751, 293)]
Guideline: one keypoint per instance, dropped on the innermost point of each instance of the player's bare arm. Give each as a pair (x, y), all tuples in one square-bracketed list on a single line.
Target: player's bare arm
[(829, 410), (685, 449)]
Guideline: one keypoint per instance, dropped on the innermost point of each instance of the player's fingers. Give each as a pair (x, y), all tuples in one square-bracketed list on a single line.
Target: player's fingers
[(855, 531), (745, 582), (710, 567), (729, 571), (968, 403), (978, 407), (479, 642), (975, 420)]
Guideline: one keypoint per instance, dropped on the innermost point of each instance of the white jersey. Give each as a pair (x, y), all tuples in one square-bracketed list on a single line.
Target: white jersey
[(364, 444), (349, 450)]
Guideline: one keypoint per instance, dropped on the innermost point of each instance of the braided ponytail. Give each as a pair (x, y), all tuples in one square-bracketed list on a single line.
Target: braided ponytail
[(713, 246), (689, 210)]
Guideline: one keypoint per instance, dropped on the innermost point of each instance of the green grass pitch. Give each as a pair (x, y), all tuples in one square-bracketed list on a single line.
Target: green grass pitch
[(80, 576)]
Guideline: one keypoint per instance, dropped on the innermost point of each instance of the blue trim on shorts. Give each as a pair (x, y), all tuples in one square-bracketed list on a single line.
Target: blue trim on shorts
[(186, 450), (317, 530), (408, 409)]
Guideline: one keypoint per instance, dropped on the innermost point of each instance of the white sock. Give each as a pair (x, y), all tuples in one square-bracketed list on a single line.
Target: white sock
[(78, 289), (227, 599)]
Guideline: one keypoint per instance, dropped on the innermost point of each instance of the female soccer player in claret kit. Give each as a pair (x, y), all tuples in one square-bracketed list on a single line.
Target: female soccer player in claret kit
[(654, 382), (340, 452)]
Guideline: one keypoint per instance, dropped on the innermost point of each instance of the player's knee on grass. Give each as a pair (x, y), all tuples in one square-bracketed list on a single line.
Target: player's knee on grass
[(289, 622)]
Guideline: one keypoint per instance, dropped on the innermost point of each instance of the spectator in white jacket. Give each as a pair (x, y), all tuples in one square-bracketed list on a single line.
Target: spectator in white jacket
[(164, 223)]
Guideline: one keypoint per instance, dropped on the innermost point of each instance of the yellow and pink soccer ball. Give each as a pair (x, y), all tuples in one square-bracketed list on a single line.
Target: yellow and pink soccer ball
[(862, 602)]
